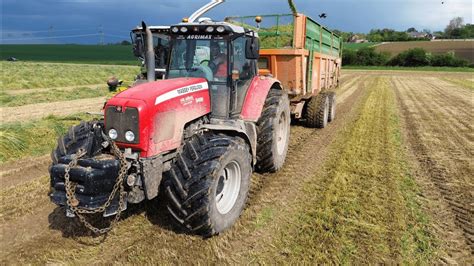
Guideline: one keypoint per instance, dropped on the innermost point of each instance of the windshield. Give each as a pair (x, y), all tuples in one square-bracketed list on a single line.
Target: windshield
[(161, 47), (199, 58), (161, 43)]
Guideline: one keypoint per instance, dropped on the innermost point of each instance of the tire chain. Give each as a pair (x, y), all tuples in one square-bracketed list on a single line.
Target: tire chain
[(73, 202)]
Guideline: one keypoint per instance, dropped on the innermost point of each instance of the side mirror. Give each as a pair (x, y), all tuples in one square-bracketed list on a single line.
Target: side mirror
[(252, 48), (138, 49)]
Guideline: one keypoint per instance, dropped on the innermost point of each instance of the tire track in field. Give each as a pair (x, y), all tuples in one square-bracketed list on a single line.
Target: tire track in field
[(17, 172), (133, 235), (433, 122), (40, 110)]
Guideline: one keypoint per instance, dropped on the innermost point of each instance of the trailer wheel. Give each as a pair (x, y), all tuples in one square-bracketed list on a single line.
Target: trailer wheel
[(207, 186), (83, 136), (273, 130), (317, 111), (332, 106)]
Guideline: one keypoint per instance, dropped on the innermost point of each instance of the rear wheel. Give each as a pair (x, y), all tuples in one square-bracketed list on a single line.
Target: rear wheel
[(207, 186), (317, 111), (273, 129)]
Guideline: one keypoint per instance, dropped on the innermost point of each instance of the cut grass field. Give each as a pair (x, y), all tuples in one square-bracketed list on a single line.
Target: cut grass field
[(51, 95), (362, 191), (411, 69), (27, 75), (362, 206)]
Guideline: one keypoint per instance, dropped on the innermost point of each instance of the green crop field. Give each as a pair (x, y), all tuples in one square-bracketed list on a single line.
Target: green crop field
[(357, 46), (85, 54)]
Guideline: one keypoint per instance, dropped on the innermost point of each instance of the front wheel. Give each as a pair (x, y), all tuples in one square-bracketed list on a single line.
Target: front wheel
[(207, 186)]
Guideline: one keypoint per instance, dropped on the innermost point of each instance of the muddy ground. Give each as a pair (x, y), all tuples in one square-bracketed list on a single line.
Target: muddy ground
[(436, 123)]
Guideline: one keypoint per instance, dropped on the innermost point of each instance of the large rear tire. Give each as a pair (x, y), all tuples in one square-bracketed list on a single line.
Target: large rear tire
[(317, 111), (273, 129), (208, 184)]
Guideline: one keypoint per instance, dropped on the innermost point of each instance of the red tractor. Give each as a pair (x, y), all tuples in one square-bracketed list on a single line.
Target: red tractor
[(195, 136)]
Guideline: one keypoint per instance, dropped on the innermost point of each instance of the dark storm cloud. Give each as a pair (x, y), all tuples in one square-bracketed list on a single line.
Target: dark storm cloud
[(117, 17)]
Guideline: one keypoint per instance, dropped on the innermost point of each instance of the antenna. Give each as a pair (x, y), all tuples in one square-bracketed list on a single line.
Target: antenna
[(50, 31), (101, 35), (204, 9)]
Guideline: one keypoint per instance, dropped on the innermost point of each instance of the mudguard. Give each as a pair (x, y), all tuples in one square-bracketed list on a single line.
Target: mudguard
[(255, 98)]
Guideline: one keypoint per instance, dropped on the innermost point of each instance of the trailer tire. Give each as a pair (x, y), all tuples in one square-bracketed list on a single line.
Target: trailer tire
[(83, 136), (332, 106), (317, 111), (273, 131), (198, 196)]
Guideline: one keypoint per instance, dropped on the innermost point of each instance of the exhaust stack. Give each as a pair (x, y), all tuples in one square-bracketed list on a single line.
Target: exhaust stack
[(204, 9), (149, 54)]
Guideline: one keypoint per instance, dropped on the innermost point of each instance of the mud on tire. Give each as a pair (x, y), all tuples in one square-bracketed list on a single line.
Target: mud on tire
[(317, 111), (273, 131), (197, 186)]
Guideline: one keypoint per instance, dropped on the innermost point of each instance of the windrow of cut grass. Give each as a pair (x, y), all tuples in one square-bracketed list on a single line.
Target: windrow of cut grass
[(363, 206), (53, 95), (19, 140), (28, 75)]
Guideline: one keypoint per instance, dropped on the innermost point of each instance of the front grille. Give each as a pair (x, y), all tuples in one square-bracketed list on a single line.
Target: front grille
[(122, 121)]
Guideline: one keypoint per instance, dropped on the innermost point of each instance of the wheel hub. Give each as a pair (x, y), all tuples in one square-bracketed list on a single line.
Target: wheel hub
[(228, 187), (281, 133)]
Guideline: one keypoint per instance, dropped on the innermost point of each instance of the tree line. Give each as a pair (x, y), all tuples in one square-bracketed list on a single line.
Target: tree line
[(456, 29), (415, 57)]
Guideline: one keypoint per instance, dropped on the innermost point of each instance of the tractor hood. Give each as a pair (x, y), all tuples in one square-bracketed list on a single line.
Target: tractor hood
[(154, 93), (157, 113)]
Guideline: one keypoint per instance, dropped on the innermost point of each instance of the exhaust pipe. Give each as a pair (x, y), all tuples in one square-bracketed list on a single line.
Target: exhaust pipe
[(149, 55)]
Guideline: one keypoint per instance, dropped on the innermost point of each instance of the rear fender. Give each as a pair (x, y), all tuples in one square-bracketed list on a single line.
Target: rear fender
[(256, 95), (245, 130)]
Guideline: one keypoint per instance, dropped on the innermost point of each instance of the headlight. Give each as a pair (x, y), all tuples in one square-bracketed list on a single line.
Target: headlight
[(220, 29), (113, 133), (129, 136), (210, 29), (184, 29)]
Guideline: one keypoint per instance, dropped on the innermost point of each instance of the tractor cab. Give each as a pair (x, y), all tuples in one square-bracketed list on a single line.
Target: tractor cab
[(161, 47), (222, 53)]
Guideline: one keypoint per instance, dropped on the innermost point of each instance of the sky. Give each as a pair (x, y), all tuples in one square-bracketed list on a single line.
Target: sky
[(81, 21)]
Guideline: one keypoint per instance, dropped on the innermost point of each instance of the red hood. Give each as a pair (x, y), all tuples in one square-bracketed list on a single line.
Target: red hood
[(150, 92)]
